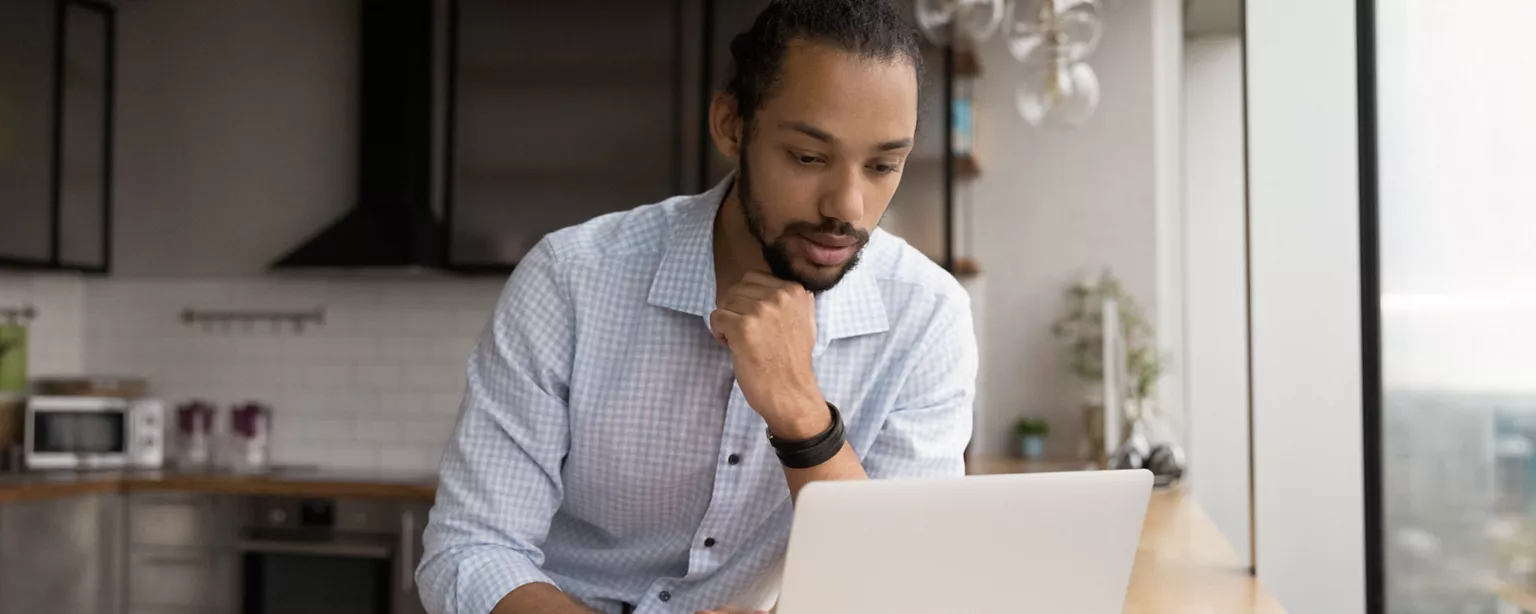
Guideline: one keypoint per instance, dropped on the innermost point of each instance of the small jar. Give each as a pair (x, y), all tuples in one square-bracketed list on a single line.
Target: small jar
[(194, 434), (250, 428)]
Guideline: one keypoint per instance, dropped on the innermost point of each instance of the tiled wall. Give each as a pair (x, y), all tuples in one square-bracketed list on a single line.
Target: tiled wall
[(377, 386), (55, 337)]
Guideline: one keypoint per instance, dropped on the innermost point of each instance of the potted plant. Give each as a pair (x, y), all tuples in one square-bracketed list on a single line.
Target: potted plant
[(1031, 433), (1082, 328)]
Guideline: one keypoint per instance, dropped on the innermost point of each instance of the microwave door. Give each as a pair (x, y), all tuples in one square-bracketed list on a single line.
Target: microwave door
[(79, 439)]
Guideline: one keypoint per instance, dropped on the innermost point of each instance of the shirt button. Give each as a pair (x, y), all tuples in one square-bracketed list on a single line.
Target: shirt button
[(733, 459), (709, 542), (664, 596)]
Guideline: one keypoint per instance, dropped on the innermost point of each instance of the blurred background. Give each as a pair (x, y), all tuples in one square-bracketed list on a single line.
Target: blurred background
[(246, 247)]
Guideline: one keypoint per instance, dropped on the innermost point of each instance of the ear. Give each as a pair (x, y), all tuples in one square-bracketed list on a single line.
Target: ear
[(725, 126)]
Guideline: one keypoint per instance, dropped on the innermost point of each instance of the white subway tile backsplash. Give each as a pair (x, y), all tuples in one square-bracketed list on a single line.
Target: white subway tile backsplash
[(374, 428), (445, 402), (377, 386)]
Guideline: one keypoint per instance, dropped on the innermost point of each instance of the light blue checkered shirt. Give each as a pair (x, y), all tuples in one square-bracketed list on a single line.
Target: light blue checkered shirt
[(603, 439)]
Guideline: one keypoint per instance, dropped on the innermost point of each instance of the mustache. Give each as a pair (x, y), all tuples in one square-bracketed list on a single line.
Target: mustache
[(828, 226)]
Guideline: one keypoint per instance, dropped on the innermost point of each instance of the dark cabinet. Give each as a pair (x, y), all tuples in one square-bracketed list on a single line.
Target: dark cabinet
[(26, 132), (560, 112), (84, 161), (56, 81)]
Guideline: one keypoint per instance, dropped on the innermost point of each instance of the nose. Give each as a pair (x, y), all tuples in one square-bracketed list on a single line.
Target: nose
[(843, 199)]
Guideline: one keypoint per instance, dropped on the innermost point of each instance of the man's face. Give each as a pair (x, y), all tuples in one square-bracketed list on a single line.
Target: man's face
[(820, 164)]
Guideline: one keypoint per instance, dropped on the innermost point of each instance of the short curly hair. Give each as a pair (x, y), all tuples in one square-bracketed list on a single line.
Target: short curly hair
[(874, 29)]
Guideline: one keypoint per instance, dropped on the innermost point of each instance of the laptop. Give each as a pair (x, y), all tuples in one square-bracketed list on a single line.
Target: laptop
[(1055, 543)]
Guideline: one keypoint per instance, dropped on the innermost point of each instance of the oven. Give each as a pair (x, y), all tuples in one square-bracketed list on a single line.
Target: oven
[(330, 556)]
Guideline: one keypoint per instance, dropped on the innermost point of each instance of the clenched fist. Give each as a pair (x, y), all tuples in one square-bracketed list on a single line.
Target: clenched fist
[(770, 327)]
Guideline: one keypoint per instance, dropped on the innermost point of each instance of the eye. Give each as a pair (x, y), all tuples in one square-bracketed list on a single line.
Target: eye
[(805, 159), (885, 169)]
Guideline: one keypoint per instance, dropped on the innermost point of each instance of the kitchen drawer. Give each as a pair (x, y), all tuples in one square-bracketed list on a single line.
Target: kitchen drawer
[(181, 519), (182, 578)]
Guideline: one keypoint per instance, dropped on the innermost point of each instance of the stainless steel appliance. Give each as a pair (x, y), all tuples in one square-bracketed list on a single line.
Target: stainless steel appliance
[(330, 556), (94, 433)]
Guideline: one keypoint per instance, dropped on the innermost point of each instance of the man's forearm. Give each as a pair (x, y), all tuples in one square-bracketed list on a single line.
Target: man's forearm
[(844, 466), (539, 598)]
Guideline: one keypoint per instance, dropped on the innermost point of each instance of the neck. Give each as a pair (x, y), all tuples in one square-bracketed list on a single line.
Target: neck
[(736, 251)]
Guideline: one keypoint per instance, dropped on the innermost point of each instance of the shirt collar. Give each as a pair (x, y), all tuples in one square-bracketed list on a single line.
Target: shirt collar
[(685, 280)]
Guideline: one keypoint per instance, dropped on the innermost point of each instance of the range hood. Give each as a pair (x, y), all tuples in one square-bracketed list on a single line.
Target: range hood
[(392, 225)]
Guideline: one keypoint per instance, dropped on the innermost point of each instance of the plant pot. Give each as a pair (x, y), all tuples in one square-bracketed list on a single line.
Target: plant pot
[(1093, 448), (1032, 447)]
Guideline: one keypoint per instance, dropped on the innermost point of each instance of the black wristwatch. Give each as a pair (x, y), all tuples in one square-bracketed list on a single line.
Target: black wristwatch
[(811, 452)]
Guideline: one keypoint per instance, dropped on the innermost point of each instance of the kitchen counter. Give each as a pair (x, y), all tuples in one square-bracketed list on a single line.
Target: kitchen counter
[(1183, 564), (279, 481)]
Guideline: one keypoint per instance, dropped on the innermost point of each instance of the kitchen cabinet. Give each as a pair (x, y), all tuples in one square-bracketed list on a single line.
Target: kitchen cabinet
[(26, 112), (182, 578), (60, 556), (180, 553), (561, 111), (84, 194), (56, 81)]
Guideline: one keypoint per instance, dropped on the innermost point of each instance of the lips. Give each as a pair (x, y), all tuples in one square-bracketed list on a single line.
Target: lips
[(831, 240), (829, 250)]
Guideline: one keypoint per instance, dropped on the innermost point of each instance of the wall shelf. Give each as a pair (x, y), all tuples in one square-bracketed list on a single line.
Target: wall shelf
[(966, 63), (966, 166)]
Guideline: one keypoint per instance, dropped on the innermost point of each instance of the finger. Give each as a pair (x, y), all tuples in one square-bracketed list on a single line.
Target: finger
[(722, 323), (741, 305), (764, 279), (753, 291), (791, 289)]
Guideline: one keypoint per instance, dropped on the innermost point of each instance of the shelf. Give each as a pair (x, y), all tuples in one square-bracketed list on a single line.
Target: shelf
[(966, 166), (965, 268), (966, 63)]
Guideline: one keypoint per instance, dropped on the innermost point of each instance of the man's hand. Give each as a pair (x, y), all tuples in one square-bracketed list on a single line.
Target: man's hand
[(770, 326)]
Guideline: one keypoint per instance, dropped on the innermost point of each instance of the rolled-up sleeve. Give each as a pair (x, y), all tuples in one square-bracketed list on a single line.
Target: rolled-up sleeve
[(926, 432), (500, 485)]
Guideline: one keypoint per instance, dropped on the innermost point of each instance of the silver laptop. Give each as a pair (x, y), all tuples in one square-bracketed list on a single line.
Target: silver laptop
[(1057, 543)]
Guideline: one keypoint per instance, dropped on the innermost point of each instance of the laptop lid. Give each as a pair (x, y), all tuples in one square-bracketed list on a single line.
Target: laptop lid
[(1062, 543)]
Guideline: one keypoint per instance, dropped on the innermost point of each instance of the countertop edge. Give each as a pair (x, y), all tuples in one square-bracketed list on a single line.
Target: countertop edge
[(232, 484)]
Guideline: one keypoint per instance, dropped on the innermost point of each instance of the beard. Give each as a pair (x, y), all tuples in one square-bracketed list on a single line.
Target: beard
[(776, 252)]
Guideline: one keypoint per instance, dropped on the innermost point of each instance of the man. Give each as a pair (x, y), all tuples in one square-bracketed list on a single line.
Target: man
[(657, 385)]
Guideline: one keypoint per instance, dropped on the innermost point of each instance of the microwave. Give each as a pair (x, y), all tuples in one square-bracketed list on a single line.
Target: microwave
[(94, 433)]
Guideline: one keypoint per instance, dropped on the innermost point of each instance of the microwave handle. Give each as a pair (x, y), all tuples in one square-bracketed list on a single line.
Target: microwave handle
[(407, 549)]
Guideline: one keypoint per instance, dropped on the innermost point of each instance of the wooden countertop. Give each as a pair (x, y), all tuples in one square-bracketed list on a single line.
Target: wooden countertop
[(282, 481), (1183, 565)]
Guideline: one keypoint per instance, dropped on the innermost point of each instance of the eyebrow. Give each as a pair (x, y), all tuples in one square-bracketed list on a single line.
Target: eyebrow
[(826, 137)]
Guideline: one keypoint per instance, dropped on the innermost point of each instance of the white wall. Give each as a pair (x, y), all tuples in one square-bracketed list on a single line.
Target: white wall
[(1054, 207), (1168, 164), (1216, 277), (1304, 213)]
